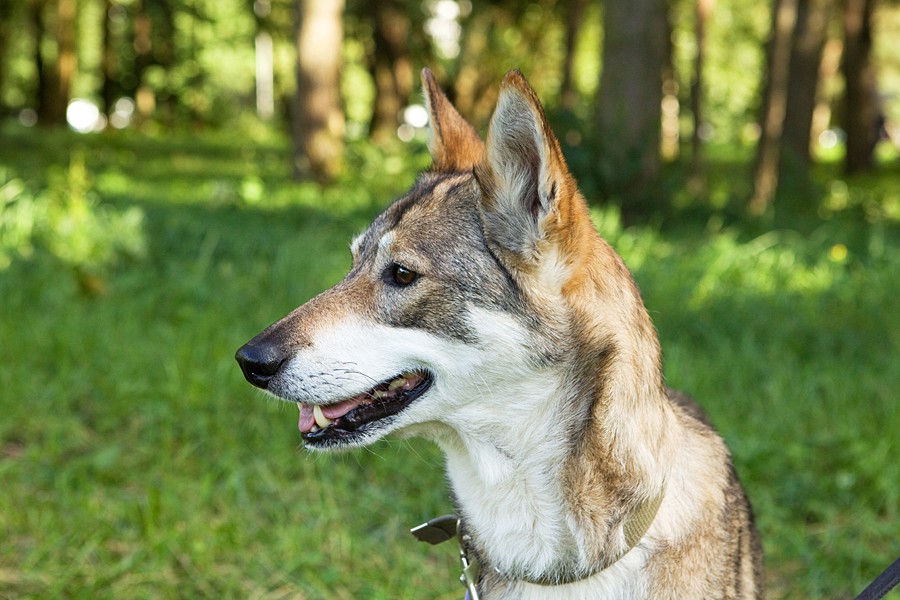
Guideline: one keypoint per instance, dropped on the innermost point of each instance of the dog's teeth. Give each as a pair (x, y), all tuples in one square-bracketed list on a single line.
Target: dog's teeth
[(378, 394), (314, 429), (396, 384), (299, 407), (321, 420)]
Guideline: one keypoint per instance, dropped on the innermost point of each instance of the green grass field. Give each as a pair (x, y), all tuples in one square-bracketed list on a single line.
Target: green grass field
[(135, 462)]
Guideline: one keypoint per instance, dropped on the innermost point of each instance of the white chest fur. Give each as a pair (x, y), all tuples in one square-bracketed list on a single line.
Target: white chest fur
[(517, 512)]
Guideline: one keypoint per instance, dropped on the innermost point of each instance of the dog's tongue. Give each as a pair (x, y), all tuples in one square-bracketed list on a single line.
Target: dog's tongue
[(342, 408), (307, 420), (317, 415), (333, 411)]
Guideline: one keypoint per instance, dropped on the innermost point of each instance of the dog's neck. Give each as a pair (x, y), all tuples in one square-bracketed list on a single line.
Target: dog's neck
[(543, 495), (549, 478), (506, 478)]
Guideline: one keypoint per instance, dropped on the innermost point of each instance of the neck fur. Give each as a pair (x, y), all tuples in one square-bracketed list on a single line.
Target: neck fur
[(506, 476)]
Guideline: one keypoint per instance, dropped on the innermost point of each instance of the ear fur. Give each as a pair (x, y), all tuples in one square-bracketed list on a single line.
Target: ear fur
[(524, 174), (454, 143)]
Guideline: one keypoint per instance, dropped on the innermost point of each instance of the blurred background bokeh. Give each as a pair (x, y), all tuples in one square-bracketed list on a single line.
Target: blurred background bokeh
[(642, 83), (177, 174)]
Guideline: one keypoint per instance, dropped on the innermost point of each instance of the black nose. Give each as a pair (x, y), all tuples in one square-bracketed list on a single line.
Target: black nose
[(259, 363)]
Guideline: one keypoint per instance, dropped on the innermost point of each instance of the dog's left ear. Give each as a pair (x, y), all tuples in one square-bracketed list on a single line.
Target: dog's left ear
[(454, 144), (527, 189)]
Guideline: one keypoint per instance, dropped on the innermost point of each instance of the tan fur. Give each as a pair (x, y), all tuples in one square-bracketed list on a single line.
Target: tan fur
[(455, 146)]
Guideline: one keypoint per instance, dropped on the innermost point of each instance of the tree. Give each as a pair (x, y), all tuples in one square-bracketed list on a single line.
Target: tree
[(318, 122), (574, 18), (164, 55), (635, 46), (55, 57), (702, 10), (265, 61), (154, 45), (861, 111), (795, 70), (144, 97), (391, 68), (808, 44), (6, 15), (795, 53), (109, 59), (768, 154)]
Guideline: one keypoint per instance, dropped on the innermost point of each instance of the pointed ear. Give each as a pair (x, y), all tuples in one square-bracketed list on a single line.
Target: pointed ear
[(454, 144), (524, 176)]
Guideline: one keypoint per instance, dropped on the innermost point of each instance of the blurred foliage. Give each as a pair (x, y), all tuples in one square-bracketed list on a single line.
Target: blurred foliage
[(737, 33), (67, 220), (18, 217)]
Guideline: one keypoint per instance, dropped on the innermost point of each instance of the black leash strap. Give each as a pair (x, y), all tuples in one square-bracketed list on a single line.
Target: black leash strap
[(884, 583)]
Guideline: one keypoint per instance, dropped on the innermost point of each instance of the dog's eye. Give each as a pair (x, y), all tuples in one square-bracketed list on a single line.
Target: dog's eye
[(402, 276)]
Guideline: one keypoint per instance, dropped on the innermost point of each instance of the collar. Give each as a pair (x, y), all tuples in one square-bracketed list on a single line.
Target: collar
[(446, 527)]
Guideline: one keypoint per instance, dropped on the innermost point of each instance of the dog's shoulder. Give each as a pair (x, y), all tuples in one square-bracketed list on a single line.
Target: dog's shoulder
[(688, 406)]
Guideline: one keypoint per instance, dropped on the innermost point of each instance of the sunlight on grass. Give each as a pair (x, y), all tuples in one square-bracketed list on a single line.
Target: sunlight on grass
[(136, 462), (765, 265)]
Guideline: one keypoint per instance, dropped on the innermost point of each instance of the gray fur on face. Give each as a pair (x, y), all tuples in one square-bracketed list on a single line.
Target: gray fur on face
[(457, 267)]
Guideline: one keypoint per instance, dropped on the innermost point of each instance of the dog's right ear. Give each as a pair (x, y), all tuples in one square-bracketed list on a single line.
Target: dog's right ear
[(454, 144)]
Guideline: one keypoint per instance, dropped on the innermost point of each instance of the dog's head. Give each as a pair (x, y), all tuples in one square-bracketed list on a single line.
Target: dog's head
[(439, 310)]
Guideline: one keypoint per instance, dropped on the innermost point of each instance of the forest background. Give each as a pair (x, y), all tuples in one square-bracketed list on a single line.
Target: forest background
[(176, 174)]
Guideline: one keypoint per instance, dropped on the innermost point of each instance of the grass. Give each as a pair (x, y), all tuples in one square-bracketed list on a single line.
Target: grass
[(136, 462)]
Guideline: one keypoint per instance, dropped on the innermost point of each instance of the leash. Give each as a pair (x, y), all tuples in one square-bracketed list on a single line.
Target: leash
[(884, 583), (446, 527)]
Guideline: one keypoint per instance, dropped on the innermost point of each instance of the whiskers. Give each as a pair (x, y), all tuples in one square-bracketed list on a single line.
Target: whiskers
[(336, 384)]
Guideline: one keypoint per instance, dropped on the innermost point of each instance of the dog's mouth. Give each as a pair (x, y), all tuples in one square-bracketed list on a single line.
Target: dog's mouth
[(352, 417)]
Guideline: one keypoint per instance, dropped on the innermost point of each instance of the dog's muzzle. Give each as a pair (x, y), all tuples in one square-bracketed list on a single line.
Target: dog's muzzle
[(259, 363)]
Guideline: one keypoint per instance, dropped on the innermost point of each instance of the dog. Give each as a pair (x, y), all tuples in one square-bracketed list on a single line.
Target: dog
[(484, 312)]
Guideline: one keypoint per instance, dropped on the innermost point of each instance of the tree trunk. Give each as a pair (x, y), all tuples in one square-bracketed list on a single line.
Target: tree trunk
[(628, 101), (574, 18), (6, 14), (68, 54), (36, 19), (164, 56), (703, 9), (669, 131), (829, 69), (109, 64), (862, 114), (768, 157), (468, 89), (391, 68), (55, 76), (810, 36), (265, 61), (144, 97), (318, 122)]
